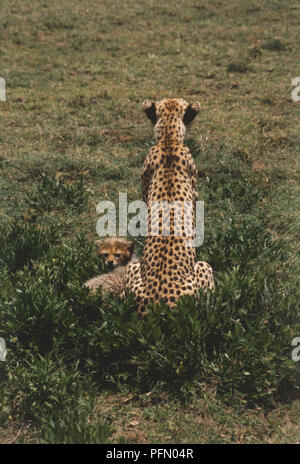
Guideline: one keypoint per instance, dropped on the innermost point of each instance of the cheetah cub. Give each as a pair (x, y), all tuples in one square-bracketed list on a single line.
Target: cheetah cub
[(116, 253)]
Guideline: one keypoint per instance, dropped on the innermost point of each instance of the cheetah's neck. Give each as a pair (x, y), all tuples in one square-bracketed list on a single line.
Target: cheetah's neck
[(170, 131)]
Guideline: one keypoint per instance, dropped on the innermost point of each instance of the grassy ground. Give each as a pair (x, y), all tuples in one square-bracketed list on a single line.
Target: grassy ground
[(72, 133)]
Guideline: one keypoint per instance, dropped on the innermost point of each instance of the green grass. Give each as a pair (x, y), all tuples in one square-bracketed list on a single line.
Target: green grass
[(83, 368)]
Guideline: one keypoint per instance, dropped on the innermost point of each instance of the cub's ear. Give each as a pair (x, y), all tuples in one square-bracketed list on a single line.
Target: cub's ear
[(130, 247), (149, 108), (191, 112), (98, 244)]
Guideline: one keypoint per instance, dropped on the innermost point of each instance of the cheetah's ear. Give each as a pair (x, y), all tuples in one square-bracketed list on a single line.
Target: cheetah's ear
[(149, 108), (191, 112), (98, 244)]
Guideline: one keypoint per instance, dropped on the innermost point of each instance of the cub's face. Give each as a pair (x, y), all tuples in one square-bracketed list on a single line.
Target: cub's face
[(114, 251)]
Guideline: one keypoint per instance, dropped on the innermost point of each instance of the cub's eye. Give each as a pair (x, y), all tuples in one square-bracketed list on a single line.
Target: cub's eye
[(104, 255), (117, 255)]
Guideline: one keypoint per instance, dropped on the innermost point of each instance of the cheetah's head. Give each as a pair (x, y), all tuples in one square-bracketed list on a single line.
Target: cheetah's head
[(114, 251), (171, 113)]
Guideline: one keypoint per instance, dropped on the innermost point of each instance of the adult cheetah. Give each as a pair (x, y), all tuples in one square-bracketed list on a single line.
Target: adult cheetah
[(169, 176)]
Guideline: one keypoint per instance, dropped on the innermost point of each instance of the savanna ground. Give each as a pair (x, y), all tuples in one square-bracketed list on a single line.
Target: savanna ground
[(84, 369)]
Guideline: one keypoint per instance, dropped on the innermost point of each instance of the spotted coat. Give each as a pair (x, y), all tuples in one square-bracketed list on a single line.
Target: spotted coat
[(169, 177)]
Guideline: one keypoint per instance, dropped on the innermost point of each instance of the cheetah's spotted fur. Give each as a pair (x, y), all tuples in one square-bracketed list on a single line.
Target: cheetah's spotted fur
[(168, 269)]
